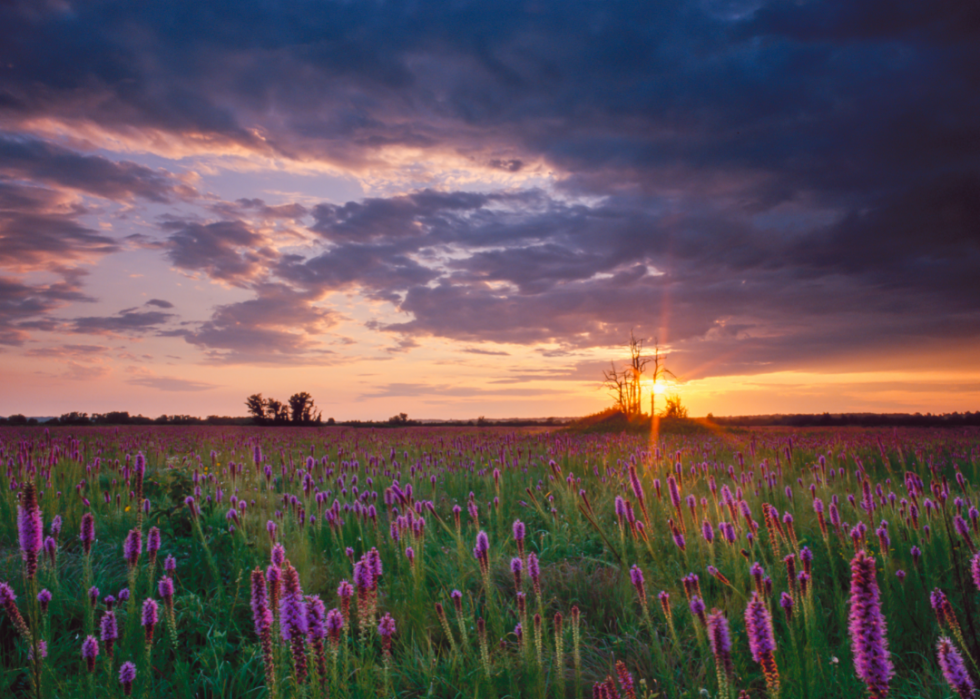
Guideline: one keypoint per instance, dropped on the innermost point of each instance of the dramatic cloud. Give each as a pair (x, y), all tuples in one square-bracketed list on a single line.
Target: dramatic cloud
[(44, 162), (224, 250), (273, 327), (760, 185)]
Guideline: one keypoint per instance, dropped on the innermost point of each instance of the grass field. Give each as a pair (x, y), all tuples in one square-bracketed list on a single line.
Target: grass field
[(364, 563)]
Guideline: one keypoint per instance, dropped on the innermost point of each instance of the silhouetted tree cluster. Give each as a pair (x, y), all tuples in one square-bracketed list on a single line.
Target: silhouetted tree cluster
[(298, 410), (674, 408), (625, 386)]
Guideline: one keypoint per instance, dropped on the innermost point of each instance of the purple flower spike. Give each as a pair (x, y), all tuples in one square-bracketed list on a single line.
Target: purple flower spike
[(951, 663), (127, 675), (8, 600), (108, 631), (149, 618), (762, 641), (335, 624), (293, 620), (869, 644), (51, 550), (153, 544), (721, 642), (636, 577), (534, 572), (697, 609), (44, 599), (132, 547), (316, 616), (278, 556), (90, 651), (165, 588), (30, 528), (292, 610), (386, 628)]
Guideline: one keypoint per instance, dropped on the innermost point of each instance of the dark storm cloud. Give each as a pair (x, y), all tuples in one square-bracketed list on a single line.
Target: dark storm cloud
[(159, 303), (38, 161), (767, 182)]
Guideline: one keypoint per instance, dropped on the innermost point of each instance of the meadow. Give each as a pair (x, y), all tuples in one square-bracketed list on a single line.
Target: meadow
[(462, 562)]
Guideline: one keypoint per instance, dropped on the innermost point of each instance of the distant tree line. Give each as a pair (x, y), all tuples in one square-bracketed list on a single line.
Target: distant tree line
[(851, 420), (123, 418)]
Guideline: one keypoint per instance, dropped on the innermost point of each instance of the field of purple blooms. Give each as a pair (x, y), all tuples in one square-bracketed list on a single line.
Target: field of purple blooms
[(330, 562)]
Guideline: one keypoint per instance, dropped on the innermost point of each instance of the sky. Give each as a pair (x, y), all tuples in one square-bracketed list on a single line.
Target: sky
[(461, 209)]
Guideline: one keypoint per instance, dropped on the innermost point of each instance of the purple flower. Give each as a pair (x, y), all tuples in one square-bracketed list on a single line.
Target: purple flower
[(90, 651), (8, 600), (518, 530), (93, 596), (51, 550), (165, 588), (191, 506), (153, 544), (386, 628), (762, 641), (44, 599), (149, 618), (373, 559), (170, 566), (806, 557), (132, 547), (636, 485), (975, 570), (108, 631), (786, 602), (294, 624), (721, 642), (951, 663), (123, 595), (482, 547), (270, 527), (278, 556), (697, 609), (335, 624), (30, 529), (869, 644), (55, 526), (534, 572), (261, 614), (636, 577), (315, 614), (127, 674), (292, 610), (675, 493), (345, 591)]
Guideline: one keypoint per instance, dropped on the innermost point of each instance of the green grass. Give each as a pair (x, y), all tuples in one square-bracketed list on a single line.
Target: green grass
[(585, 557)]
